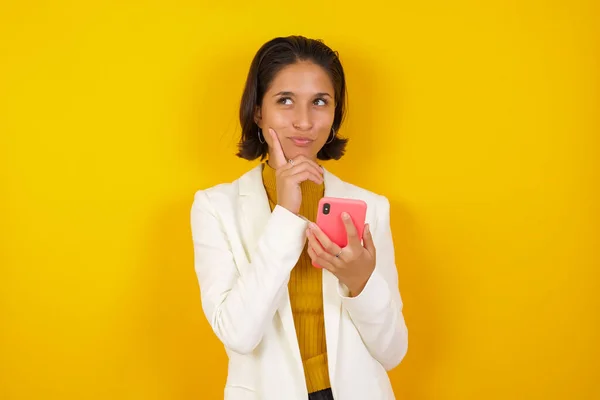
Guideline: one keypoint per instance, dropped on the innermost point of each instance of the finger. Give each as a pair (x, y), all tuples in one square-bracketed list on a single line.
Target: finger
[(323, 256), (299, 159), (320, 262), (276, 150), (324, 240), (369, 244), (305, 165), (351, 232), (302, 163), (310, 239), (303, 159), (306, 175)]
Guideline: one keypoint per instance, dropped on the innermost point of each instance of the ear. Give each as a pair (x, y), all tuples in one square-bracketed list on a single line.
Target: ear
[(258, 116)]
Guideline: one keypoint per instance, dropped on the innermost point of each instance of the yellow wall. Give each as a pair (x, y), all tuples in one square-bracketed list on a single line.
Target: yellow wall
[(479, 120)]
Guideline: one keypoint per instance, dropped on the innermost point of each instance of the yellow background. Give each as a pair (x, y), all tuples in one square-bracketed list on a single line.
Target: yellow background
[(478, 119)]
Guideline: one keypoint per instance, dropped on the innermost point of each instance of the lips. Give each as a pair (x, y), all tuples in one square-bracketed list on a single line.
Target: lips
[(301, 141)]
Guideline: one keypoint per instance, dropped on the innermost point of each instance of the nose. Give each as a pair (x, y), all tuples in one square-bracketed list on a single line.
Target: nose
[(302, 119)]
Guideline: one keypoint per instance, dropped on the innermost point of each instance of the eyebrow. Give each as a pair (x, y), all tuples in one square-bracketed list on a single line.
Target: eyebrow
[(320, 94)]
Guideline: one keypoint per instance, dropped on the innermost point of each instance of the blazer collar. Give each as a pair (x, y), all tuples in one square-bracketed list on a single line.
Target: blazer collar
[(255, 212)]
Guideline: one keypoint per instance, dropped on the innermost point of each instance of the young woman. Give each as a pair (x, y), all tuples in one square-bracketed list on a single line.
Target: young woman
[(293, 331)]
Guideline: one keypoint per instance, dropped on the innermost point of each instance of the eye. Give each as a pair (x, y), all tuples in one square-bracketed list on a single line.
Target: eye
[(320, 102), (284, 100)]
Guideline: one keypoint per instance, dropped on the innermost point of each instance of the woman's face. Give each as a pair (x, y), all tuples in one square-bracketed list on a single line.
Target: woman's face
[(299, 106)]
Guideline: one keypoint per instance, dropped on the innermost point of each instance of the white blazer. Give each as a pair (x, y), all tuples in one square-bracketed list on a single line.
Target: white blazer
[(243, 255)]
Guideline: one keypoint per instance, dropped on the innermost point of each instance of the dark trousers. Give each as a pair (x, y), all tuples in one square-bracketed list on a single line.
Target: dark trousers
[(321, 395)]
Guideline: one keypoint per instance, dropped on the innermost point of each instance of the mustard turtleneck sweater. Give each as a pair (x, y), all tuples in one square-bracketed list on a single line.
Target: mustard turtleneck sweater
[(305, 289)]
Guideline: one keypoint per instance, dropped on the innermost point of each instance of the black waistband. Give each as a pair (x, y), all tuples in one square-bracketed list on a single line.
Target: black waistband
[(321, 395)]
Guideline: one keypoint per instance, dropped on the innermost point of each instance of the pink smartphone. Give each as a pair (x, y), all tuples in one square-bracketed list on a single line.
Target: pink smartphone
[(329, 218)]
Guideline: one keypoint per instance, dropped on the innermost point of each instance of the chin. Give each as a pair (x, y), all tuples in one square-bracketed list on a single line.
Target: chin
[(300, 151)]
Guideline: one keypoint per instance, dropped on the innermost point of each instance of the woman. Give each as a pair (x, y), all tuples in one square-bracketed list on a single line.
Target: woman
[(293, 331)]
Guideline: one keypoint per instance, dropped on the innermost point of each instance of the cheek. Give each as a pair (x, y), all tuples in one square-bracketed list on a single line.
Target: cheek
[(276, 118), (324, 127)]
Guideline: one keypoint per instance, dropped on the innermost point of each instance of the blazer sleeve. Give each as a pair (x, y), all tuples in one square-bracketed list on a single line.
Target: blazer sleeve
[(377, 310), (239, 306)]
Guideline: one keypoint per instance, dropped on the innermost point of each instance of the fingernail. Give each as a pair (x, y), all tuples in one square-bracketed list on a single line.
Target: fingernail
[(367, 228), (312, 225), (345, 215)]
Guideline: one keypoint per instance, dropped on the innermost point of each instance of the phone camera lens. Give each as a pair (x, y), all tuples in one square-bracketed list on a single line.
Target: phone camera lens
[(326, 207)]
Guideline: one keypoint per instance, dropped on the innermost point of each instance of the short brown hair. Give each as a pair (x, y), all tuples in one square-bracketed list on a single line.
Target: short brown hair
[(268, 61)]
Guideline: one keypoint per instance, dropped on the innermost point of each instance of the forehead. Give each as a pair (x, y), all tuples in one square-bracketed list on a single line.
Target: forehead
[(302, 78)]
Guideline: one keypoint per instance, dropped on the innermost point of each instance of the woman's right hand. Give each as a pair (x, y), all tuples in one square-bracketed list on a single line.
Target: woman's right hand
[(290, 173)]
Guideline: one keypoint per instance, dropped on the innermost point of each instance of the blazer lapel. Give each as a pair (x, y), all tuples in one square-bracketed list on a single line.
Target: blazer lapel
[(332, 302), (255, 212), (253, 206)]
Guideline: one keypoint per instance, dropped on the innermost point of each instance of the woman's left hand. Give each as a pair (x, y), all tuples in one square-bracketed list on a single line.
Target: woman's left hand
[(353, 264)]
